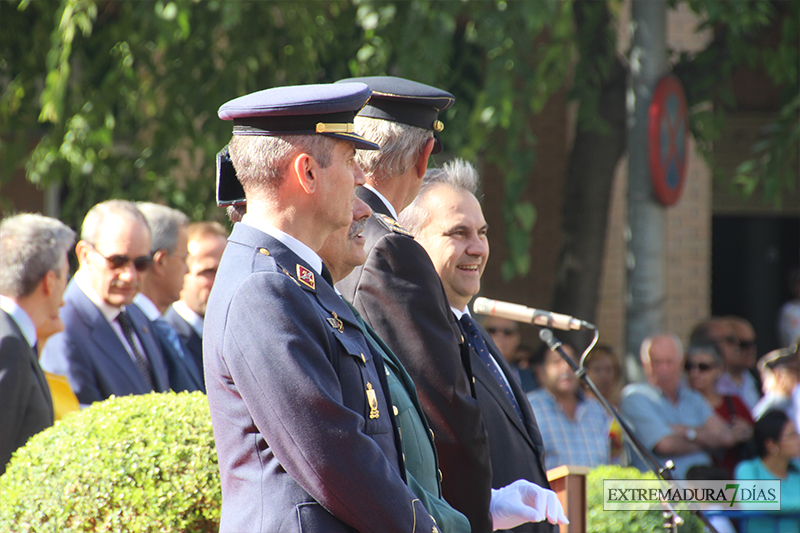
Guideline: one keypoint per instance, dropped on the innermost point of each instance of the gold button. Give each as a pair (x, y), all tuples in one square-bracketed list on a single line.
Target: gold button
[(434, 530), (432, 436), (396, 411), (473, 379), (363, 358), (462, 339), (404, 458), (387, 371), (263, 251), (440, 475)]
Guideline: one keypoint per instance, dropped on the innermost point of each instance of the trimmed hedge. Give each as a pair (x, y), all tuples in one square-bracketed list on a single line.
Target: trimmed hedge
[(136, 463)]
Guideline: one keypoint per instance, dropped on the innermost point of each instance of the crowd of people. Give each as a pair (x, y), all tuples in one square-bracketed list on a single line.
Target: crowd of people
[(349, 385)]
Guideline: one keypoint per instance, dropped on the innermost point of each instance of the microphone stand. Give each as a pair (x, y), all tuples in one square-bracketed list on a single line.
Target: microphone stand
[(661, 471)]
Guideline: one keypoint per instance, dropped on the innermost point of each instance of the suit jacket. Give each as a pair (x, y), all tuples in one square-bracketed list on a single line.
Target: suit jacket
[(303, 431), (26, 407), (191, 340), (516, 445), (93, 357), (181, 369), (399, 294)]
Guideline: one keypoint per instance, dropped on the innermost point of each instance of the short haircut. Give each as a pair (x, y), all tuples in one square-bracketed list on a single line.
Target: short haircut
[(768, 427), (262, 160), (644, 351), (31, 245), (401, 145), (206, 228), (706, 347), (457, 174), (165, 224), (95, 218)]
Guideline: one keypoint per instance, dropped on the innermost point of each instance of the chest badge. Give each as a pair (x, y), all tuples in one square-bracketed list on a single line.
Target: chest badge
[(372, 398), (336, 323), (305, 276)]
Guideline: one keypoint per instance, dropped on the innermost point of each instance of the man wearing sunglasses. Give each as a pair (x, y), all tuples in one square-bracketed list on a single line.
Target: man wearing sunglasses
[(108, 347)]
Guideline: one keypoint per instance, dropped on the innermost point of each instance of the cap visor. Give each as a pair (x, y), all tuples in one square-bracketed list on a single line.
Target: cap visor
[(360, 142)]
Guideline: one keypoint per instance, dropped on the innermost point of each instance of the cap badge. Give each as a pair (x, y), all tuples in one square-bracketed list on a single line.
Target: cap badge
[(336, 323), (372, 398), (438, 125), (306, 277)]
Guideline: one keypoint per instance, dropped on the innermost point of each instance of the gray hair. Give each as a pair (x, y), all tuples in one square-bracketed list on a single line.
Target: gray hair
[(644, 351), (262, 160), (457, 174), (400, 144), (95, 218), (709, 348), (165, 223), (31, 245)]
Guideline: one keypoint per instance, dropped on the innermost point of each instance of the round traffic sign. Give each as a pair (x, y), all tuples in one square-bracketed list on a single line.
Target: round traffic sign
[(668, 140)]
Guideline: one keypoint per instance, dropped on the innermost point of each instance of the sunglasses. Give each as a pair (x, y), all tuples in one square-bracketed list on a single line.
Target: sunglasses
[(505, 331), (702, 367), (746, 345), (118, 261)]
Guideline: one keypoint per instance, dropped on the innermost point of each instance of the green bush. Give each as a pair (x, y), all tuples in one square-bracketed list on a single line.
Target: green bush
[(137, 463), (601, 521)]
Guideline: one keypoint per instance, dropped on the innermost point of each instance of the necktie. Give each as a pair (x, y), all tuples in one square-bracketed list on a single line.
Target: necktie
[(127, 329), (167, 332), (476, 340), (326, 275)]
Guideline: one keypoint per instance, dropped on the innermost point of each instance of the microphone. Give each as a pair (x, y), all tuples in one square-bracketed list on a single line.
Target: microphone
[(529, 315)]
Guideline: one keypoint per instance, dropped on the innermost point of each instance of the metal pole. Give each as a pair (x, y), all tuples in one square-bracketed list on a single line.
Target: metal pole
[(646, 217)]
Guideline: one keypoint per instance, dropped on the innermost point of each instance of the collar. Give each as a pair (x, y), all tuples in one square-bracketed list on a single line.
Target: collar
[(302, 250), (192, 318), (460, 312), (383, 199), (108, 311), (147, 306), (19, 316)]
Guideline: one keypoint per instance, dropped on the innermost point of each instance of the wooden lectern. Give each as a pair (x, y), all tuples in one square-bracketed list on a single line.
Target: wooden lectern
[(569, 483)]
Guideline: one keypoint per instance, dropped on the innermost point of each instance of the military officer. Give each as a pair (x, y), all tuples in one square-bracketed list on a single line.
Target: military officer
[(304, 435)]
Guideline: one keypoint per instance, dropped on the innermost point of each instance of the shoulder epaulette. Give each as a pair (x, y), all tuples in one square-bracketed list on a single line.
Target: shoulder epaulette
[(391, 224)]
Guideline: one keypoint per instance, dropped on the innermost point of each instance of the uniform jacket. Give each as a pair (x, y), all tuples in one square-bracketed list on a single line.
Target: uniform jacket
[(516, 445), (303, 431), (191, 340), (399, 294), (25, 404), (93, 357)]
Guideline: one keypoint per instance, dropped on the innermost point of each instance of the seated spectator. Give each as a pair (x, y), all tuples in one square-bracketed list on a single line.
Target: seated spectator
[(701, 473), (673, 421), (605, 371), (525, 366), (33, 273), (780, 375), (574, 427), (64, 400), (778, 446), (703, 368)]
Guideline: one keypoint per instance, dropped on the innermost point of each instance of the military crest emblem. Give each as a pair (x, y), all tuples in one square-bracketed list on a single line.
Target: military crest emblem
[(336, 323), (306, 277)]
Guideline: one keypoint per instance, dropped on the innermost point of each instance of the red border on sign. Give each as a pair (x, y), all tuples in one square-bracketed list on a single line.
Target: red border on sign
[(666, 86)]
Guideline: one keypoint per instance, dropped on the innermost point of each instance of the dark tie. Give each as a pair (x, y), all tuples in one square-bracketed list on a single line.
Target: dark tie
[(326, 275), (127, 329), (476, 339), (169, 333)]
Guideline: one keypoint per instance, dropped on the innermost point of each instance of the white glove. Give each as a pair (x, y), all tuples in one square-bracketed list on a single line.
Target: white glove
[(523, 501)]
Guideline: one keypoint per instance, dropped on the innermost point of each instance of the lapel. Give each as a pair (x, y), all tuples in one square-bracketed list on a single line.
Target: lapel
[(31, 355), (372, 200), (150, 344)]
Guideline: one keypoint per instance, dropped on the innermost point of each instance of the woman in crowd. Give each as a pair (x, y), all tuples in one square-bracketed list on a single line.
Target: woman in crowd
[(703, 368), (605, 371), (778, 446)]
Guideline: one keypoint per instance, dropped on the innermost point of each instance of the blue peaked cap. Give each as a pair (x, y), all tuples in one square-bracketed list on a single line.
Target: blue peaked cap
[(300, 110)]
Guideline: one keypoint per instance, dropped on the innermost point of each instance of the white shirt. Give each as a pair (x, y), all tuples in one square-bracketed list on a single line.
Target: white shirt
[(192, 318), (19, 316), (306, 254), (147, 306), (383, 199), (110, 313), (465, 311)]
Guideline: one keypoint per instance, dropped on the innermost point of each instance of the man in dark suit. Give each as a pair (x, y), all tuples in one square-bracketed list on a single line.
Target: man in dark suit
[(447, 220), (302, 421), (108, 347), (33, 273), (399, 294), (207, 241), (161, 286)]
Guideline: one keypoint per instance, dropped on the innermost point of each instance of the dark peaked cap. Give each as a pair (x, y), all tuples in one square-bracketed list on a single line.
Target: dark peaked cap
[(405, 101), (300, 110)]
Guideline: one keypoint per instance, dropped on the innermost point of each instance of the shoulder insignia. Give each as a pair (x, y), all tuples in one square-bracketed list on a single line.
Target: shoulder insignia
[(290, 276), (306, 277), (336, 323), (391, 224)]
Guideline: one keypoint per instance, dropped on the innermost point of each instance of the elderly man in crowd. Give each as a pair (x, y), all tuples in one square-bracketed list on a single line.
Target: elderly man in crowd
[(108, 347), (673, 421), (33, 274), (447, 220), (161, 286), (207, 241), (302, 421)]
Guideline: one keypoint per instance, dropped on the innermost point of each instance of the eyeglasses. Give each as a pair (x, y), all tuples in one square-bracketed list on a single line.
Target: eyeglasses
[(702, 367), (118, 261), (730, 339), (505, 331)]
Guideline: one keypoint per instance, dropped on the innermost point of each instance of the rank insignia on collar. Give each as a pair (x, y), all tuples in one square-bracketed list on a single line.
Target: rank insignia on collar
[(305, 276), (336, 323), (391, 224), (372, 399)]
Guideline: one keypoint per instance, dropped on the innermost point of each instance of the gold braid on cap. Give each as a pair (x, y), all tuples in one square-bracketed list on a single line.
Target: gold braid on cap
[(323, 127)]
